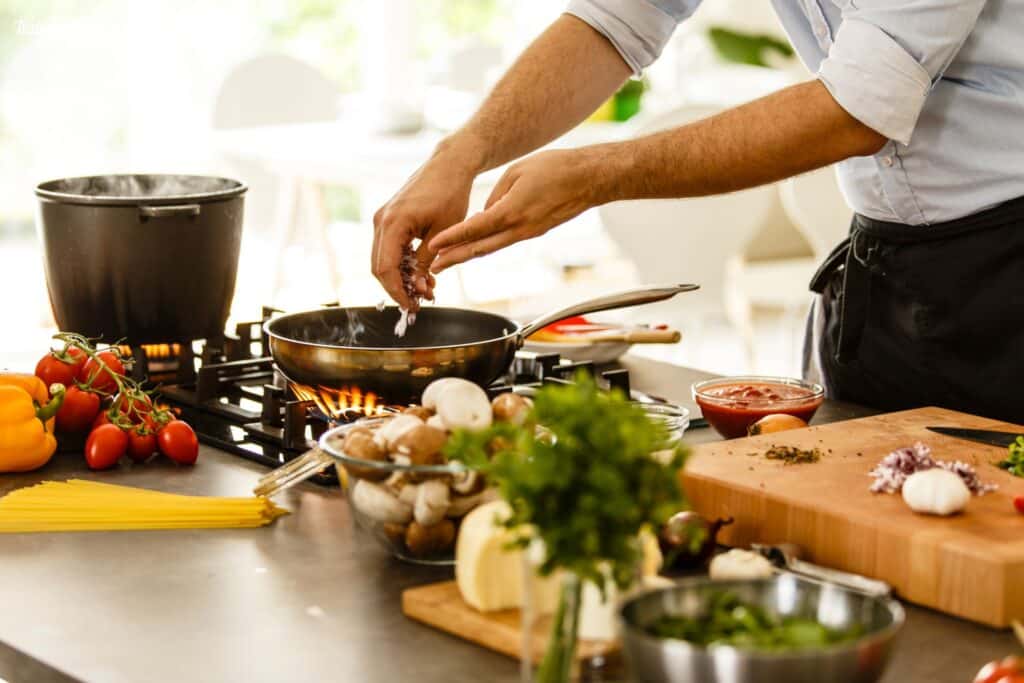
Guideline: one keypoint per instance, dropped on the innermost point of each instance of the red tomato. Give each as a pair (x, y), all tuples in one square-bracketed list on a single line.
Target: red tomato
[(141, 445), (102, 418), (94, 374), (78, 411), (178, 442), (105, 446), (1006, 670), (53, 370), (1018, 503), (137, 408)]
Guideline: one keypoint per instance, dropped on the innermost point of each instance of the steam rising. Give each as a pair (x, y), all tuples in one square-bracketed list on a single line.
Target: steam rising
[(140, 186)]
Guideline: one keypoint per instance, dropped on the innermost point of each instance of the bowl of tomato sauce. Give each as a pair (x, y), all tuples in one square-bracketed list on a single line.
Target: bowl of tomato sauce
[(732, 404)]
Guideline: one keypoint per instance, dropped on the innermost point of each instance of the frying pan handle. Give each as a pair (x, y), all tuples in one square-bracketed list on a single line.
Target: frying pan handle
[(632, 297)]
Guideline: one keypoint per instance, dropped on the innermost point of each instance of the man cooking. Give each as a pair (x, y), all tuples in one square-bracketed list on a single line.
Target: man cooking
[(922, 104)]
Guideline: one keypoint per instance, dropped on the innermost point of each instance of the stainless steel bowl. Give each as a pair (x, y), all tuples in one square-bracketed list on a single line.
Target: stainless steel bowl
[(656, 660)]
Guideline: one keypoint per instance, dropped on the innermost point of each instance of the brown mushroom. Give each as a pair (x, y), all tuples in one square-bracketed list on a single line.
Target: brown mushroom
[(510, 407), (421, 412), (423, 541), (359, 443), (395, 533), (422, 445)]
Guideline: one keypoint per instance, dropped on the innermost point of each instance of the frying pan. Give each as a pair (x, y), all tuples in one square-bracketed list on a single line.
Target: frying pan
[(337, 347)]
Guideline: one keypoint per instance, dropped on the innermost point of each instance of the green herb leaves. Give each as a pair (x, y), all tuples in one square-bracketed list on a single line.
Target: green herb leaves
[(1014, 463), (588, 485)]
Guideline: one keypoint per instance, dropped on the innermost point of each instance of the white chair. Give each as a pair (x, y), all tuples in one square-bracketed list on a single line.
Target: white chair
[(275, 89), (690, 240), (817, 208)]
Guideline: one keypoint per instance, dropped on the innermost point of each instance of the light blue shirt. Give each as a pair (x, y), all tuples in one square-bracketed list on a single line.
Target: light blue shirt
[(942, 79)]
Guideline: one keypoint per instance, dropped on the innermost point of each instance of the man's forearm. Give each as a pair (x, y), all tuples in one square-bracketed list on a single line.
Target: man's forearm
[(563, 76), (789, 132)]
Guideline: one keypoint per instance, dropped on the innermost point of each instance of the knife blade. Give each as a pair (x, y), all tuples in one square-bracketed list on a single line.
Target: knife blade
[(986, 436)]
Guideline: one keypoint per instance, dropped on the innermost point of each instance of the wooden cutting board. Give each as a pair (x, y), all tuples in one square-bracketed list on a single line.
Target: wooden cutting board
[(970, 565), (440, 605)]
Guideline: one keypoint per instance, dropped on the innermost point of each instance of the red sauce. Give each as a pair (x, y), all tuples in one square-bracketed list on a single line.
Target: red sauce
[(732, 408)]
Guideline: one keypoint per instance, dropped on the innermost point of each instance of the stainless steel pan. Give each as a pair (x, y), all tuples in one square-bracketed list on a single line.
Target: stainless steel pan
[(336, 347)]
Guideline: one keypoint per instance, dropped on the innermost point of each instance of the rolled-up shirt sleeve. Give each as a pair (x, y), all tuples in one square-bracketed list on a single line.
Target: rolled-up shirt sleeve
[(886, 56), (638, 29)]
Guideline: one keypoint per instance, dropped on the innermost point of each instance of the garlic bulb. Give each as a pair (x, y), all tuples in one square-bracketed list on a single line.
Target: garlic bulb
[(935, 491), (740, 564)]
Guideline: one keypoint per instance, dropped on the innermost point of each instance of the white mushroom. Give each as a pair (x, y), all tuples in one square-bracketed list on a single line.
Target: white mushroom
[(407, 493), (378, 503), (432, 501), (465, 406), (467, 482), (460, 505), (391, 430), (936, 491), (434, 389), (436, 422)]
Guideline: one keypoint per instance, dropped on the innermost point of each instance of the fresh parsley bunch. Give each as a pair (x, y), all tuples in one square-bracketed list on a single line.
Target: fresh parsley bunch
[(588, 486), (1014, 463)]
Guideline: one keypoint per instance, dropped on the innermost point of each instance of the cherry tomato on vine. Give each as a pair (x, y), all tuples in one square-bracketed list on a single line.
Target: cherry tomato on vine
[(78, 411), (53, 370), (141, 445), (105, 446), (102, 418), (1018, 504), (137, 407), (94, 374), (178, 442)]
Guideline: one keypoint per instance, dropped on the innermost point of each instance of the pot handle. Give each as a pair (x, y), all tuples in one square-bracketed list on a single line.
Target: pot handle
[(632, 297), (168, 211)]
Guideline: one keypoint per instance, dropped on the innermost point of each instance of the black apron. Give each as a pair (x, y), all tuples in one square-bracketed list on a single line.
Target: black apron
[(927, 315)]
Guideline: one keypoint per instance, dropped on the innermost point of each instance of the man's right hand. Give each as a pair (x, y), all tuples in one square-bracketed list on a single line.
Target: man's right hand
[(434, 198)]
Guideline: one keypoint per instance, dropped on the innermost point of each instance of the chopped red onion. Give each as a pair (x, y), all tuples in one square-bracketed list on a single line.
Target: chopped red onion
[(407, 268), (890, 473)]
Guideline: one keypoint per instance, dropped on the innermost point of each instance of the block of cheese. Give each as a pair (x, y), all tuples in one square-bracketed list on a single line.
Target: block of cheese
[(490, 575)]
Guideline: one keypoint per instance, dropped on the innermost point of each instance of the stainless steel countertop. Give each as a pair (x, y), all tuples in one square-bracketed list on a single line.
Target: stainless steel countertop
[(307, 599)]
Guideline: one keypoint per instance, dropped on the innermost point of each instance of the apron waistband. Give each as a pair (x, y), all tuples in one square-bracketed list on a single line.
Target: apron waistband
[(852, 260)]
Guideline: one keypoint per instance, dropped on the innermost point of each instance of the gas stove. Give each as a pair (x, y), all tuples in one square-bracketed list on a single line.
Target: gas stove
[(228, 389)]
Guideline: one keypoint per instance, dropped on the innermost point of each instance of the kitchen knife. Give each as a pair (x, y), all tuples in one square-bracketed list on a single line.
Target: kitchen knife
[(986, 436)]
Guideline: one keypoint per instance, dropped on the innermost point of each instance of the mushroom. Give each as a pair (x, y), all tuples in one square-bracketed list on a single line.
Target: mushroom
[(378, 503), (422, 445), (359, 443), (467, 482), (395, 533), (394, 428), (460, 505), (434, 390), (422, 412), (407, 493), (432, 500), (464, 406), (436, 422), (422, 541), (510, 407)]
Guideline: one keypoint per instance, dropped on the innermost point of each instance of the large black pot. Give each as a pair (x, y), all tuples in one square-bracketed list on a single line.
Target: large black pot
[(145, 258)]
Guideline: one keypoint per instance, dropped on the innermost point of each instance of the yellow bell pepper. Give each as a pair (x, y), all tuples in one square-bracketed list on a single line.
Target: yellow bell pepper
[(26, 422)]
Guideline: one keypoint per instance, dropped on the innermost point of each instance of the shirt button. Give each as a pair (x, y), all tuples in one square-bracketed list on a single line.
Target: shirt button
[(887, 161)]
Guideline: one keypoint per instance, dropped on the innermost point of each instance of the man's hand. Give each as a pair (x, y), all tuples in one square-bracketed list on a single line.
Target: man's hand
[(533, 196), (435, 197)]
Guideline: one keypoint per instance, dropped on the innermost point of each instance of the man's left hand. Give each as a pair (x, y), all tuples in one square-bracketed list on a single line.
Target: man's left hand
[(533, 196)]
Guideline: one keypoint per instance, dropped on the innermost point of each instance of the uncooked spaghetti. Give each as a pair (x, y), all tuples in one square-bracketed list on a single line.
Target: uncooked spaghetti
[(78, 505)]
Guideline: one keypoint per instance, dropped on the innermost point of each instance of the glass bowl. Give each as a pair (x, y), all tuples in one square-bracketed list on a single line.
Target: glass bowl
[(383, 498), (732, 404)]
